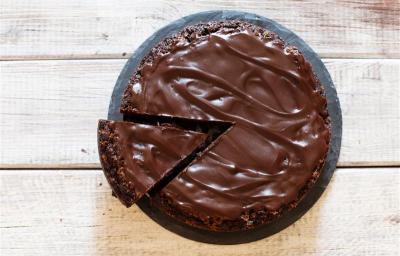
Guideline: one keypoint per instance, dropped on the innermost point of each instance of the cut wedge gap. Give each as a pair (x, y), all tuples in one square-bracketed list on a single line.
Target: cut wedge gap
[(144, 153), (213, 136), (198, 125)]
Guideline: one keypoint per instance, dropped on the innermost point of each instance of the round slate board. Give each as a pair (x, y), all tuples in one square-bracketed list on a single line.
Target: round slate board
[(333, 107)]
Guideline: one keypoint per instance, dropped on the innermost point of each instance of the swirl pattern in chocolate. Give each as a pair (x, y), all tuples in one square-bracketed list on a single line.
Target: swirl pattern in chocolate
[(280, 135)]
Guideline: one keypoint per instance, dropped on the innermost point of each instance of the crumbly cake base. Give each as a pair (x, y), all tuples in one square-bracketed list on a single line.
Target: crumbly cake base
[(112, 162)]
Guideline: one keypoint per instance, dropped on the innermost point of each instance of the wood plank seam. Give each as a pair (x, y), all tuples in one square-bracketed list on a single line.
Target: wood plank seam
[(77, 94)]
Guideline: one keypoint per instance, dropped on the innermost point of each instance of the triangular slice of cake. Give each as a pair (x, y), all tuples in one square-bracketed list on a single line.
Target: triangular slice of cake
[(135, 157)]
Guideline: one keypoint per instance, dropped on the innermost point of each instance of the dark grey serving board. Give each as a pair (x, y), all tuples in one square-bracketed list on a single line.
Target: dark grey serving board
[(333, 107)]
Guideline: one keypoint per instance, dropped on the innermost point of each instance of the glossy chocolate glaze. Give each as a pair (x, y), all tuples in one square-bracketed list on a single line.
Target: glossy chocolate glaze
[(148, 153), (280, 136)]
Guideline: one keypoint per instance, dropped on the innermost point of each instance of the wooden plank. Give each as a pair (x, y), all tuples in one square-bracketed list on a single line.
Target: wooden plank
[(369, 94), (73, 213), (49, 111), (46, 29)]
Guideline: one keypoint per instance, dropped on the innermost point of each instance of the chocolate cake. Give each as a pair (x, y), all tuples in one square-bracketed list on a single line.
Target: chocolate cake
[(242, 74), (135, 157)]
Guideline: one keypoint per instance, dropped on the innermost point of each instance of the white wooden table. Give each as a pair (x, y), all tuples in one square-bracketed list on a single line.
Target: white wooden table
[(59, 62)]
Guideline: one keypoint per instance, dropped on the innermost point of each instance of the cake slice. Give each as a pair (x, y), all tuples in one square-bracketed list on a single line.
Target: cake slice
[(135, 157)]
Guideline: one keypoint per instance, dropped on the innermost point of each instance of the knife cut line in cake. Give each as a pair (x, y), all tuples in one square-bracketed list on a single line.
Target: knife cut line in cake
[(144, 153)]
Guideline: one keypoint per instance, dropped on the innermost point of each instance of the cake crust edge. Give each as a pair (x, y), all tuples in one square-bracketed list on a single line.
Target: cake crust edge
[(112, 164)]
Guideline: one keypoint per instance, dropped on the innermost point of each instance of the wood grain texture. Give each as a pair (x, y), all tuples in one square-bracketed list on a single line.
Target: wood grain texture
[(46, 29), (73, 213), (49, 111)]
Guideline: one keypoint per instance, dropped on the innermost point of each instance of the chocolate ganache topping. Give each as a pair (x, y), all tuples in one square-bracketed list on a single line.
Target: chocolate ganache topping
[(280, 133)]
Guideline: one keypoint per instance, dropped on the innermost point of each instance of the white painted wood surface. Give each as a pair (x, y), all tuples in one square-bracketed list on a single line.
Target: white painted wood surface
[(73, 213), (49, 110), (47, 29)]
